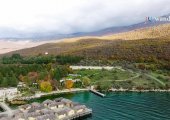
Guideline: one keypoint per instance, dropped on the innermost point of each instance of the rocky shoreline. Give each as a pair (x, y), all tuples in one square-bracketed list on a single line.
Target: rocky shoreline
[(39, 95), (135, 90), (23, 99)]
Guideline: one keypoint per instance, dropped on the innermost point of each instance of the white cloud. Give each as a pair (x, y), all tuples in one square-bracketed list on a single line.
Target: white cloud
[(68, 16)]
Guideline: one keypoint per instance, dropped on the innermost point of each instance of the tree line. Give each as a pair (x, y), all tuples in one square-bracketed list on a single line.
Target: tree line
[(60, 59), (11, 74)]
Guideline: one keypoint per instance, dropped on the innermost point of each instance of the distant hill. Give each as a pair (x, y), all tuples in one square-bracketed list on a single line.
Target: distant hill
[(115, 30), (143, 33), (148, 43)]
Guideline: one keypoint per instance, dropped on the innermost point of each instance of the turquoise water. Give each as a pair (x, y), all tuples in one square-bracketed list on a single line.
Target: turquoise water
[(123, 106)]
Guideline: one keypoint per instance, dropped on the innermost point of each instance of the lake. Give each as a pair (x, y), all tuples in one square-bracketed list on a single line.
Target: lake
[(122, 105)]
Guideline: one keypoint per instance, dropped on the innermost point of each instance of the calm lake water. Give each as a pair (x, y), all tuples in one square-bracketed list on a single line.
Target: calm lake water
[(123, 106)]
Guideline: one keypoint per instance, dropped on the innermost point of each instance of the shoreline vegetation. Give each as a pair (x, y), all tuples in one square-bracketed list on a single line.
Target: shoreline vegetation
[(83, 90), (39, 95)]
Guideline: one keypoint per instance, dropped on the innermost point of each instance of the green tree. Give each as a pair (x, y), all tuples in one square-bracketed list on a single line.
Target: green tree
[(1, 78), (4, 82), (104, 86), (14, 81), (86, 81), (16, 56)]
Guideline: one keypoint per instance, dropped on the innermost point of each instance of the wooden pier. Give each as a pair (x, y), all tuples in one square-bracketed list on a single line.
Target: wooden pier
[(97, 93), (86, 113), (7, 110)]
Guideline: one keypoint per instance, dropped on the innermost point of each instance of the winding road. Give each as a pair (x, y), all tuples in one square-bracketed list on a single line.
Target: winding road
[(156, 79), (129, 79)]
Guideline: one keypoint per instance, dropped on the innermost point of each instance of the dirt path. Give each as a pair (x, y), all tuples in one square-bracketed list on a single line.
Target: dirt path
[(156, 79), (129, 79)]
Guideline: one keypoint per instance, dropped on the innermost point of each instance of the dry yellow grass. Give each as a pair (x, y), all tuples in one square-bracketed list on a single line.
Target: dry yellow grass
[(144, 33), (82, 45)]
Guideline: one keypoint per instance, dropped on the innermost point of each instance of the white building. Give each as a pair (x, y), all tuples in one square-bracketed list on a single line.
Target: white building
[(8, 93), (46, 53)]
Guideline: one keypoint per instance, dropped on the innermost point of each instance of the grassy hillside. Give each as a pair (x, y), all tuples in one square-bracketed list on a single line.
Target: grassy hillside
[(143, 33), (143, 44)]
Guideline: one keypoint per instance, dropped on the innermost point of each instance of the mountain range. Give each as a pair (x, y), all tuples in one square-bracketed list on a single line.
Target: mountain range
[(63, 44), (145, 43), (10, 34)]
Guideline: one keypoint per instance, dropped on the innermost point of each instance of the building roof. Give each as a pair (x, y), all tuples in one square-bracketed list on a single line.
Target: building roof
[(34, 109), (75, 103), (31, 114), (74, 75), (46, 111), (46, 117), (58, 99), (55, 104), (18, 114), (67, 109), (5, 118), (24, 106), (40, 112), (16, 111), (35, 104), (48, 101), (66, 101), (78, 107), (61, 112)]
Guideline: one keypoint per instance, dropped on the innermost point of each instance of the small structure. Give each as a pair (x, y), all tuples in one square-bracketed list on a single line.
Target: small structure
[(74, 75), (18, 115), (58, 99), (79, 108), (46, 117), (61, 114), (67, 102), (8, 93), (21, 84), (46, 53), (69, 111), (32, 115), (56, 105), (35, 105), (46, 111), (76, 80), (47, 102), (24, 108)]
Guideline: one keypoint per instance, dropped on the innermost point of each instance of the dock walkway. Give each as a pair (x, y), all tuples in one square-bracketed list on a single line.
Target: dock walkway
[(97, 93), (7, 110), (87, 112)]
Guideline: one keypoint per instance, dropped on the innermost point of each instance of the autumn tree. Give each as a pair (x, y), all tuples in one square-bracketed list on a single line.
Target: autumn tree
[(21, 78), (33, 76), (69, 84), (45, 86), (142, 66)]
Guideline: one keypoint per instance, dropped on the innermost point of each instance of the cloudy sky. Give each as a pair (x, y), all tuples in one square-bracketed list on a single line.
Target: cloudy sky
[(69, 16)]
